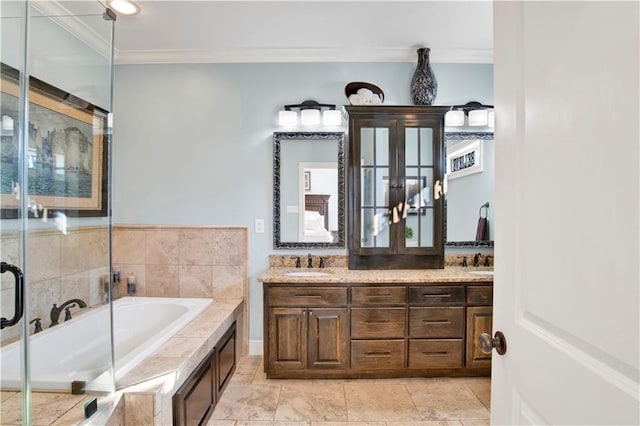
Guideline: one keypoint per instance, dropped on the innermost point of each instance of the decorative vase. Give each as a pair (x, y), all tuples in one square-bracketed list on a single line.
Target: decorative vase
[(424, 86)]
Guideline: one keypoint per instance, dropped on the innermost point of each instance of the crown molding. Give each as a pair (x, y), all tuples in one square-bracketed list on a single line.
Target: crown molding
[(272, 55), (73, 25)]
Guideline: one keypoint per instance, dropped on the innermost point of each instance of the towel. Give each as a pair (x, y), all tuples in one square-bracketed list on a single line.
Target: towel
[(482, 233)]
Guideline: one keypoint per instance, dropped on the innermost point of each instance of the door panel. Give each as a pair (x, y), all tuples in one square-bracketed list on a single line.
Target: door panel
[(566, 286), (328, 338), (287, 338)]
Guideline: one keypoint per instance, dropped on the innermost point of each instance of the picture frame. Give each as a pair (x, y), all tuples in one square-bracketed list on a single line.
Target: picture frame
[(465, 159), (307, 181), (67, 156)]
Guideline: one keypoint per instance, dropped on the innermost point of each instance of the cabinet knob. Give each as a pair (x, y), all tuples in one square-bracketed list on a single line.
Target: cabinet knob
[(499, 342)]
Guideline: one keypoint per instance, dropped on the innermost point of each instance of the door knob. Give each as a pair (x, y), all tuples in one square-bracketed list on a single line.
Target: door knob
[(487, 343)]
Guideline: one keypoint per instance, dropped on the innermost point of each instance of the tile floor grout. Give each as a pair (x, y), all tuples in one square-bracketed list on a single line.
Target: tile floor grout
[(462, 405)]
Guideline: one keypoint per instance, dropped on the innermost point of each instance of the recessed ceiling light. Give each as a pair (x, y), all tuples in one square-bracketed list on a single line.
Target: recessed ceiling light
[(125, 7)]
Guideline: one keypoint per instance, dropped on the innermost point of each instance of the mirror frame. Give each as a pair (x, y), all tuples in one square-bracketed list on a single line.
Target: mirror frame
[(278, 137), (457, 136)]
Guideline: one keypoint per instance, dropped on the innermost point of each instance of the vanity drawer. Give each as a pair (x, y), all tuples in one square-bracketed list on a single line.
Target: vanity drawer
[(377, 295), (377, 354), (437, 295), (377, 322), (307, 296), (435, 353), (480, 295), (436, 322)]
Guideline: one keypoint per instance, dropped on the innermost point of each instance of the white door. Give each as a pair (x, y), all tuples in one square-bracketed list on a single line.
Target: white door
[(567, 185)]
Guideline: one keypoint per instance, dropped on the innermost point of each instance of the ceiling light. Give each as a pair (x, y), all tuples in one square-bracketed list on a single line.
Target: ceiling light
[(124, 7)]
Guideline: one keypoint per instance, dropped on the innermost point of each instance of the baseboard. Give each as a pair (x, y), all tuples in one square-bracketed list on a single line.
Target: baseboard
[(255, 347)]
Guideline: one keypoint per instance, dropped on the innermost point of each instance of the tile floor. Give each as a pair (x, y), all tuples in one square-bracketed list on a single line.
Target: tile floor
[(252, 400)]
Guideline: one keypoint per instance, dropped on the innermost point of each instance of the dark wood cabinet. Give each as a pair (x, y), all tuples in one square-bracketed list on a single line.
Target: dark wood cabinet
[(310, 335), (396, 165), (479, 320), (195, 400), (388, 330)]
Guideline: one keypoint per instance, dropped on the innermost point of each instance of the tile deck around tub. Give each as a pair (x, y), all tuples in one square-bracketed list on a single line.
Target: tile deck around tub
[(253, 400)]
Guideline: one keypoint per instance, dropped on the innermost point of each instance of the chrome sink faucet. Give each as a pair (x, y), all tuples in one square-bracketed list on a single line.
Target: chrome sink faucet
[(309, 261), (56, 311)]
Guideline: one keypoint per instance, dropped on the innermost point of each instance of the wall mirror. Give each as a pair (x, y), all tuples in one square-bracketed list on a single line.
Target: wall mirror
[(308, 190), (470, 168)]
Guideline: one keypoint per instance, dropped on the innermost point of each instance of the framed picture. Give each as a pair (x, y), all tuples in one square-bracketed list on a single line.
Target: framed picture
[(67, 158), (307, 181), (465, 159)]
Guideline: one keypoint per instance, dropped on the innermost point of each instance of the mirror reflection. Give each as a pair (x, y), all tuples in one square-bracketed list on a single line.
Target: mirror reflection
[(308, 189), (470, 168)]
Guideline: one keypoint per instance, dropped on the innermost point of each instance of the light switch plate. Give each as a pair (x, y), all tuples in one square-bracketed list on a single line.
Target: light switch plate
[(259, 226)]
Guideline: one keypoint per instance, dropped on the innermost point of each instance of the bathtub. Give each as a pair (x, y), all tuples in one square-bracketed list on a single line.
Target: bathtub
[(80, 349)]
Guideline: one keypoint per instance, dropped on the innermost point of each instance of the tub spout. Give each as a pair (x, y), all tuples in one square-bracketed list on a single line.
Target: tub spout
[(56, 311)]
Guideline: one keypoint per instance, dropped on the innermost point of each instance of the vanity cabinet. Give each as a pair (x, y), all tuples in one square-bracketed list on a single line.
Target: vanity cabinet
[(306, 327), (383, 330), (395, 169), (479, 320)]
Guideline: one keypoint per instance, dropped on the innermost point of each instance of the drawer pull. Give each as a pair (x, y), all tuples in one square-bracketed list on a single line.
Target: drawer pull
[(438, 295), (435, 353), (307, 295), (381, 295), (436, 321), (377, 354), (377, 322)]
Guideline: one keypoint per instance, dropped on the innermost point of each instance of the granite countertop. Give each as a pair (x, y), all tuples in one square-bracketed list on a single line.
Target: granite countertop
[(449, 274)]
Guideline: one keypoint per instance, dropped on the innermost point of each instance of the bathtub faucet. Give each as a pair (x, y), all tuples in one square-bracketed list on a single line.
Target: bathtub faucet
[(56, 311)]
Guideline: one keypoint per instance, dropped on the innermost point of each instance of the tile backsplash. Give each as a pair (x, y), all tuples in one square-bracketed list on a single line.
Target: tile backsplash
[(182, 261), (60, 267)]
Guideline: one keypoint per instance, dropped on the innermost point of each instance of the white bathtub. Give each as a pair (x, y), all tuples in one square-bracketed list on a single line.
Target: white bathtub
[(80, 349)]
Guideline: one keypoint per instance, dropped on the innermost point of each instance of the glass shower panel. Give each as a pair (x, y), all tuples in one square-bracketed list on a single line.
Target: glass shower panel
[(17, 395), (68, 188), (55, 184)]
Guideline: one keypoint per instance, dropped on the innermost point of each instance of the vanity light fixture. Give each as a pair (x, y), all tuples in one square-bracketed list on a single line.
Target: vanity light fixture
[(124, 7), (479, 115), (310, 114)]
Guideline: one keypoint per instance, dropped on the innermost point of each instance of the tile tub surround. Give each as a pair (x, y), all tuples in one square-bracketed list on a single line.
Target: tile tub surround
[(182, 261), (61, 267)]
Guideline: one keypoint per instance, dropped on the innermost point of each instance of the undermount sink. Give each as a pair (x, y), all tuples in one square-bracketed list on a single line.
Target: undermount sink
[(306, 274), (482, 272)]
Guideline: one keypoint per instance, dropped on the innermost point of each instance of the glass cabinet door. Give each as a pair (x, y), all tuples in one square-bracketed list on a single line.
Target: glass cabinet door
[(374, 187), (419, 177)]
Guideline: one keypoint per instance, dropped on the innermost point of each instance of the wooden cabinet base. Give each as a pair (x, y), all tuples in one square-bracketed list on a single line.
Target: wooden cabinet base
[(194, 402)]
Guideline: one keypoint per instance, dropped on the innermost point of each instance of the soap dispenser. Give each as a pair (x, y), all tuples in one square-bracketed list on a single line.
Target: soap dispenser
[(131, 285)]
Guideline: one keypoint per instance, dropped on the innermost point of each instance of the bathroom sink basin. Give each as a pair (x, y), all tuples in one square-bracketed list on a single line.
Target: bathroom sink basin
[(481, 272), (307, 274)]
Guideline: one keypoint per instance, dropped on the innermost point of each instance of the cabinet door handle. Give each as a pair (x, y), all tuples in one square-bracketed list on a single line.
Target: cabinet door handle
[(436, 321), (437, 295), (435, 353), (377, 354)]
